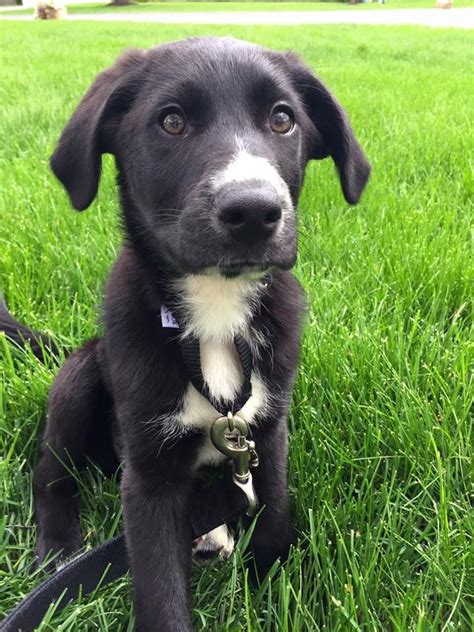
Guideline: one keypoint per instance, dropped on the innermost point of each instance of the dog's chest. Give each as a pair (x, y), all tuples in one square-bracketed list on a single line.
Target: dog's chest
[(217, 309), (223, 374)]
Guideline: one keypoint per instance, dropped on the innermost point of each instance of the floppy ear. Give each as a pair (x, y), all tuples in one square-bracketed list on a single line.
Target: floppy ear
[(334, 135), (77, 159)]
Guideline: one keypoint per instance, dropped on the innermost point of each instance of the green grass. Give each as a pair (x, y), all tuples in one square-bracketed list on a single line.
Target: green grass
[(246, 5), (381, 437)]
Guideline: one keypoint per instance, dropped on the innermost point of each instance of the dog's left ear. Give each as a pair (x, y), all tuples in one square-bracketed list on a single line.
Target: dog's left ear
[(91, 131), (334, 136)]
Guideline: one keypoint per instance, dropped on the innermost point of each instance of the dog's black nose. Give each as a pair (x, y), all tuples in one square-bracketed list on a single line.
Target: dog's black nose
[(249, 214)]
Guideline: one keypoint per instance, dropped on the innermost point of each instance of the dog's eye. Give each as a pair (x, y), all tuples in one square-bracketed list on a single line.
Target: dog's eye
[(174, 122), (281, 119)]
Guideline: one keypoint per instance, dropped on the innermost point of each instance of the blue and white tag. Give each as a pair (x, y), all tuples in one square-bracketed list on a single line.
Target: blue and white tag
[(167, 319)]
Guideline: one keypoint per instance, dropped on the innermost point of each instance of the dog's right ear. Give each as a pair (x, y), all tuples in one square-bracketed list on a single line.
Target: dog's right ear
[(334, 135), (77, 160)]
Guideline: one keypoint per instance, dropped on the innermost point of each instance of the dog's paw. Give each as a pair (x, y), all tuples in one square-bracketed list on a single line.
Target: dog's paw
[(217, 544), (52, 553)]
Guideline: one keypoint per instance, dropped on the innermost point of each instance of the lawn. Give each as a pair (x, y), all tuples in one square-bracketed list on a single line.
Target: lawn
[(381, 437), (169, 6)]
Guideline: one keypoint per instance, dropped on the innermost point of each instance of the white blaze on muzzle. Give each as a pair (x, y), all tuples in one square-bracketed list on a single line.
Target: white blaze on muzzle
[(247, 167)]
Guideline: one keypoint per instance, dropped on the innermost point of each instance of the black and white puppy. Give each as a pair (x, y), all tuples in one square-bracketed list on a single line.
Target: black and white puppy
[(211, 138)]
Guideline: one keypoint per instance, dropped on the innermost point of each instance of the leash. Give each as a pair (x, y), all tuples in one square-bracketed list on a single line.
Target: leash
[(101, 565), (109, 561)]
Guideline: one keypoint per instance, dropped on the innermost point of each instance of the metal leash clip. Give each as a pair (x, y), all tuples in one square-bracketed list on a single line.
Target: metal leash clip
[(229, 436)]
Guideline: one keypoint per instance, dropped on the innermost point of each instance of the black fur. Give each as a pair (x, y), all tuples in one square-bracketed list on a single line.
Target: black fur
[(17, 333), (108, 391)]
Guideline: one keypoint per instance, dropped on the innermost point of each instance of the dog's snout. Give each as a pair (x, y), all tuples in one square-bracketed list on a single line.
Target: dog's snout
[(249, 214)]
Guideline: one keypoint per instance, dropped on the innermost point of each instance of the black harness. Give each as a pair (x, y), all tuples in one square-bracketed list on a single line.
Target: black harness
[(191, 352)]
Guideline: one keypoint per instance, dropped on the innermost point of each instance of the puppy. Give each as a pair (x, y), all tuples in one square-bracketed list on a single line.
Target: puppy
[(211, 138)]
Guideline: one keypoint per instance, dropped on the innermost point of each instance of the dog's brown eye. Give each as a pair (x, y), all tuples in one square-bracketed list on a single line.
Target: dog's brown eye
[(174, 122), (281, 120)]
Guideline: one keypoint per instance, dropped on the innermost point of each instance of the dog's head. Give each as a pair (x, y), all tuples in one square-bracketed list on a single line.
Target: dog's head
[(211, 139)]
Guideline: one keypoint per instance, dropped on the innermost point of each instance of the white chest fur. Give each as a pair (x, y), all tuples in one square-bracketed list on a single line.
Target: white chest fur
[(219, 309)]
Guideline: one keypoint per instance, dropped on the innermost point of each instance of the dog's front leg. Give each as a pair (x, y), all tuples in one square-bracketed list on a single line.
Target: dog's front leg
[(158, 532), (272, 536)]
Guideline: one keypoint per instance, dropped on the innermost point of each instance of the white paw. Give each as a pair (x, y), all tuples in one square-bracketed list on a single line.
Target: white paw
[(218, 543)]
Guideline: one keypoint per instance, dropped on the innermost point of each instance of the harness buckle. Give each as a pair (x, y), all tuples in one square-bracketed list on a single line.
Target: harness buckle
[(249, 491), (229, 436)]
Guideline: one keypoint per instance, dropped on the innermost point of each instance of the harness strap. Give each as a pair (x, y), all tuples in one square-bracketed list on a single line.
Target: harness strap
[(190, 349)]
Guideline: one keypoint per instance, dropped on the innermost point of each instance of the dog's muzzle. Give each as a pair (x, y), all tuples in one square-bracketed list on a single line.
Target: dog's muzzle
[(249, 214)]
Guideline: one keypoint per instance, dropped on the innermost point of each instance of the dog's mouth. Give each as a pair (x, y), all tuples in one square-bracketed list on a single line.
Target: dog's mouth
[(249, 269), (196, 257), (231, 268)]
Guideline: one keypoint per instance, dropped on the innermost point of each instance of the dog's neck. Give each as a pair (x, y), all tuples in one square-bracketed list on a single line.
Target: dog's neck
[(214, 308), (209, 306)]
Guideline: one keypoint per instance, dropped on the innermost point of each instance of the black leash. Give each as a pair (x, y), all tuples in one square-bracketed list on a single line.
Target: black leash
[(101, 565)]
